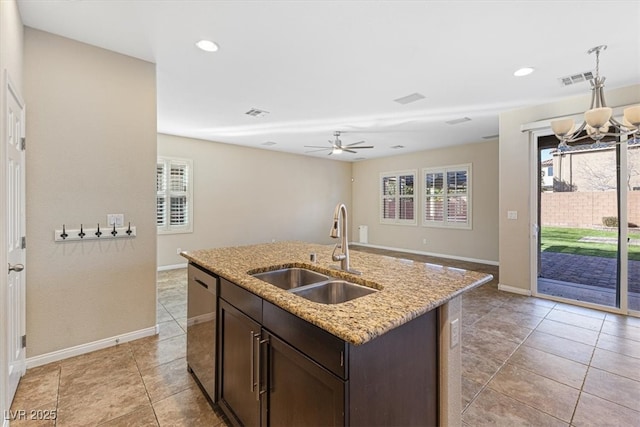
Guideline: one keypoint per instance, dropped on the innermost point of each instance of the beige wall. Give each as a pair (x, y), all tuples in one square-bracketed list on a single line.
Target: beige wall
[(91, 150), (515, 178), (246, 195), (11, 42), (479, 243)]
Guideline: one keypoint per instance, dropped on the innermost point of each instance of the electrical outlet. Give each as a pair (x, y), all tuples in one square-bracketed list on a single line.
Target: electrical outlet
[(424, 241), (115, 219), (512, 214), (178, 251), (455, 333)]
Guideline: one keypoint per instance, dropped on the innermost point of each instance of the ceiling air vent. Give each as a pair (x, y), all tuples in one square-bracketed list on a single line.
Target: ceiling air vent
[(576, 78), (256, 112), (397, 147), (490, 136), (410, 98), (268, 143), (458, 121)]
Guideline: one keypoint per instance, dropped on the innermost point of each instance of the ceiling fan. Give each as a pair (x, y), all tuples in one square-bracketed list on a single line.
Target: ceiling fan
[(337, 147)]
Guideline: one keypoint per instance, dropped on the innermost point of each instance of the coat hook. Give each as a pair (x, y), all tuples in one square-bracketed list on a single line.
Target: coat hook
[(81, 233), (98, 233), (114, 232), (64, 234), (129, 230)]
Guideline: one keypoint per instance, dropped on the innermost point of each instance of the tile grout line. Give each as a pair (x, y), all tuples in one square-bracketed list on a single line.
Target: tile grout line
[(584, 380)]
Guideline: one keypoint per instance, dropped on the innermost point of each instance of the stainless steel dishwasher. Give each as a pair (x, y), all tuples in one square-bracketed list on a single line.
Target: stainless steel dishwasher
[(202, 294)]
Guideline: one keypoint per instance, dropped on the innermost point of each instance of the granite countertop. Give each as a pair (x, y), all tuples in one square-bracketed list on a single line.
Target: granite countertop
[(407, 289)]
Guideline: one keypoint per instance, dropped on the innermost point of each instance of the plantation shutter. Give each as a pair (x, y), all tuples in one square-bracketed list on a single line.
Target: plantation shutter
[(397, 197), (161, 195), (174, 195), (447, 197)]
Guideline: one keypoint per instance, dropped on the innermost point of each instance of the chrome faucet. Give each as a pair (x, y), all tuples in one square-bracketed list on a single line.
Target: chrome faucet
[(339, 230)]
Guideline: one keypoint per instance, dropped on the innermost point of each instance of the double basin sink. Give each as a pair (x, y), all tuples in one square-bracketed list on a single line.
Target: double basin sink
[(314, 286)]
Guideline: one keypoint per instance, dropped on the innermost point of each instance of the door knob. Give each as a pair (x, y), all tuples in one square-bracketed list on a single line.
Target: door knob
[(15, 267)]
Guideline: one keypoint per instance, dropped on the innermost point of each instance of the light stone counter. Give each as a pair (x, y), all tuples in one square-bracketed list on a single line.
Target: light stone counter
[(407, 289)]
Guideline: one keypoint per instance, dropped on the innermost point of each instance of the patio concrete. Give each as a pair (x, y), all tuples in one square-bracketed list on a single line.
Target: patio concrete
[(586, 278)]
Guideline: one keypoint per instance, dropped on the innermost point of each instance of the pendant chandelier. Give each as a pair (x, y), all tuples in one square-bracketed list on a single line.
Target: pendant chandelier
[(598, 120)]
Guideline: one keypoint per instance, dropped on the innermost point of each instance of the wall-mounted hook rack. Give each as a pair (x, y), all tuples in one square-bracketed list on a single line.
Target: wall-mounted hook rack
[(66, 235)]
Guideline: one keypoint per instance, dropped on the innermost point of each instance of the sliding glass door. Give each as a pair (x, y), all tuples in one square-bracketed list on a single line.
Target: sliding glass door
[(588, 217)]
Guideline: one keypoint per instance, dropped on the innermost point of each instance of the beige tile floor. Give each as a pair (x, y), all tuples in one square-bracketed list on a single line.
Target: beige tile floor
[(525, 362)]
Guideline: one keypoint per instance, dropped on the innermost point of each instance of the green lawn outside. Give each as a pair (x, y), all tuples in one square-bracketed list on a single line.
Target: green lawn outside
[(566, 241)]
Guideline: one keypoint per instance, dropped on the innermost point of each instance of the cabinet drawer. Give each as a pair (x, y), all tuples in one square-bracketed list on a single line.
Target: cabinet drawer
[(250, 304), (326, 349), (203, 278)]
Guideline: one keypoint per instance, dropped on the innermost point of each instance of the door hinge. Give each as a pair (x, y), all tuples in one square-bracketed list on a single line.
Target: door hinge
[(23, 243), (24, 341), (23, 143)]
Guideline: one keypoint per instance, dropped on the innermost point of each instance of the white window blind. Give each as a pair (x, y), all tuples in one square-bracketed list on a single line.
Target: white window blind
[(447, 196), (174, 195), (397, 197)]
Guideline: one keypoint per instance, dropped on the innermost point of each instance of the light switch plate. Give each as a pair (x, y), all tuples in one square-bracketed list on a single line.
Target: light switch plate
[(115, 219), (512, 214)]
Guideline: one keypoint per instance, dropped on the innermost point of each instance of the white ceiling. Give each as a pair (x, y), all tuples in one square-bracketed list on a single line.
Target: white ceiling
[(322, 66)]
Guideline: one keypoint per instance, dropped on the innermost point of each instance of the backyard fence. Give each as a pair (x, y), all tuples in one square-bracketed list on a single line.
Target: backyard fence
[(585, 209)]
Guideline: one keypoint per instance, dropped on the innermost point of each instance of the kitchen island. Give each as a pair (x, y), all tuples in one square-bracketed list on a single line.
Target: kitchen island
[(412, 322)]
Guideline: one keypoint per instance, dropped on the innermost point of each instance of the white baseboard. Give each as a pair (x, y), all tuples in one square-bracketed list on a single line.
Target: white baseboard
[(172, 267), (411, 251), (77, 350), (514, 290)]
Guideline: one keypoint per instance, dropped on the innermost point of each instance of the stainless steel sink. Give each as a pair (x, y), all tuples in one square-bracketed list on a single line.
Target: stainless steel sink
[(333, 292), (290, 278)]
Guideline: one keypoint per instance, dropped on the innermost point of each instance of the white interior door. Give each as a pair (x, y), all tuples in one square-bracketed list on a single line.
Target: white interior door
[(15, 233)]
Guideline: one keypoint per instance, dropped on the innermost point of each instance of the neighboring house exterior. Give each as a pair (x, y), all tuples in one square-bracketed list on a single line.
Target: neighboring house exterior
[(585, 168)]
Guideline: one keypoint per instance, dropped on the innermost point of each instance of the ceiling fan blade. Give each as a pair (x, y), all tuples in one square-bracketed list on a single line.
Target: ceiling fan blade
[(348, 151), (315, 151), (318, 146), (355, 143), (364, 146)]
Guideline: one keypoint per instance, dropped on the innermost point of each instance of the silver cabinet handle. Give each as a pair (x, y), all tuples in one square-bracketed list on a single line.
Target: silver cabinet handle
[(258, 369), (253, 362), (15, 267)]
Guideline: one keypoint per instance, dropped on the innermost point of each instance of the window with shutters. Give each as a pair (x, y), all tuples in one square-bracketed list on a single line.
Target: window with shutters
[(398, 197), (446, 198), (174, 192)]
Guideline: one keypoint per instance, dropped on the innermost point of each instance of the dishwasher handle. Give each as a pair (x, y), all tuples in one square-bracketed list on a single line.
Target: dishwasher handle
[(201, 283)]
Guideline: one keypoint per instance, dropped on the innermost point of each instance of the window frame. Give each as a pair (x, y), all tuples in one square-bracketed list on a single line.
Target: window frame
[(446, 223), (396, 220), (167, 193)]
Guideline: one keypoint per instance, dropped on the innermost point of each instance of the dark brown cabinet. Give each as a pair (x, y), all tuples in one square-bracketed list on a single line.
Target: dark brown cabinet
[(276, 369), (301, 392)]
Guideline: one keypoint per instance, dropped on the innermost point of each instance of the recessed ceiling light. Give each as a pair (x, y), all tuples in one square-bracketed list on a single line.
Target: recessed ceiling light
[(207, 45), (525, 71)]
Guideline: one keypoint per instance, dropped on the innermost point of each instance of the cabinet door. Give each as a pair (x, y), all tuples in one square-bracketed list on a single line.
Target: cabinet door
[(301, 392), (239, 392)]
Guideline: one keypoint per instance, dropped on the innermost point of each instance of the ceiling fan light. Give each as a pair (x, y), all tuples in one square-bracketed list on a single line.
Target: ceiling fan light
[(598, 117), (632, 115), (562, 127), (337, 150)]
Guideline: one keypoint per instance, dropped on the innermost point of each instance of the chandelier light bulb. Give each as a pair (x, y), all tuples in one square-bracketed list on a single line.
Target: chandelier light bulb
[(598, 117), (632, 115), (562, 127)]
